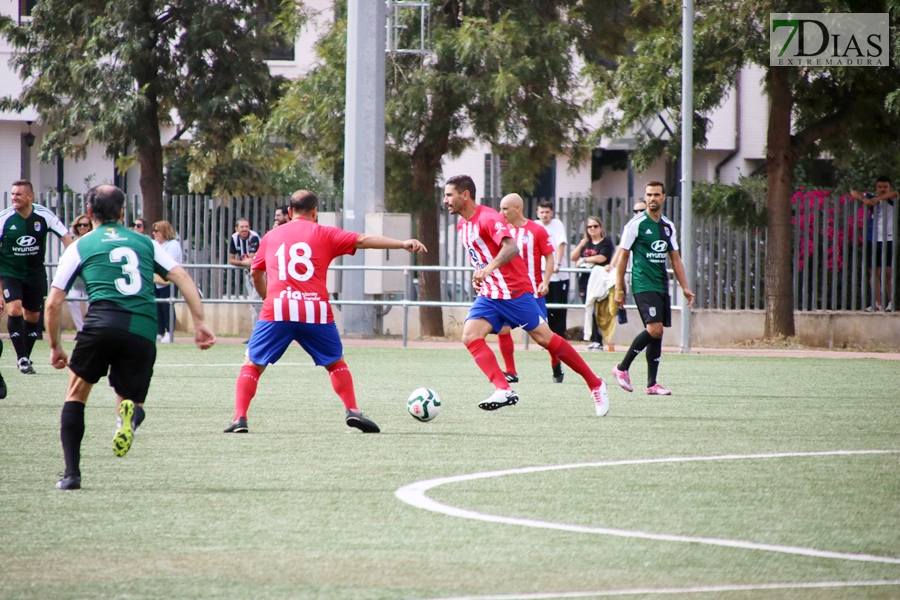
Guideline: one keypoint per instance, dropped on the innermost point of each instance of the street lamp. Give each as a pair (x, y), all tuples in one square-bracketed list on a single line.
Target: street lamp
[(29, 137)]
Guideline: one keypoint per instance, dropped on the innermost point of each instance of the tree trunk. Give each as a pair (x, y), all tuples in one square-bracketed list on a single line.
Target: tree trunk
[(431, 318), (781, 159), (150, 157)]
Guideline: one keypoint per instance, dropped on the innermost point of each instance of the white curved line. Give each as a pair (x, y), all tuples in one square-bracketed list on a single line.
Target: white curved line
[(414, 494), (684, 590)]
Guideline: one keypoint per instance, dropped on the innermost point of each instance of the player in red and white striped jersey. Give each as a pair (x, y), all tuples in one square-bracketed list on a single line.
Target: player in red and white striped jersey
[(534, 244), (289, 273), (505, 296)]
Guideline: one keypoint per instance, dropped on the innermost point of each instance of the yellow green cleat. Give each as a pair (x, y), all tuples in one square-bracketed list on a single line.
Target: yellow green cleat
[(123, 437)]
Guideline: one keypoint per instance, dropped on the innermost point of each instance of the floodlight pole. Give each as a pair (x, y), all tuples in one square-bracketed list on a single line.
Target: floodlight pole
[(363, 145), (687, 165)]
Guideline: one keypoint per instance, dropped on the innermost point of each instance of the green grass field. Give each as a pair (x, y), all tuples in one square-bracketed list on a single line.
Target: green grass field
[(302, 507)]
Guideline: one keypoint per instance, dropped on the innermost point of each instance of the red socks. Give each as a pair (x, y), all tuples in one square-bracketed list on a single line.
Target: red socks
[(342, 382), (247, 382), (507, 349), (487, 362), (566, 353)]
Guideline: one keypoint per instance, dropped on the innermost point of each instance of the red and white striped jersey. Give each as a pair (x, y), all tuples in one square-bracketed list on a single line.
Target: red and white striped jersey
[(295, 257), (481, 237), (534, 243)]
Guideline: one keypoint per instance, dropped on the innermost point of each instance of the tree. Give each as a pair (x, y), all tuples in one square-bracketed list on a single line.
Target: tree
[(114, 72), (835, 111), (500, 72)]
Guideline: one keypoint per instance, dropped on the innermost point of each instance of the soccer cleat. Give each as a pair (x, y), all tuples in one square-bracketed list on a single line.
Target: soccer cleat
[(623, 379), (69, 482), (601, 399), (355, 418), (239, 425), (25, 366), (558, 374), (658, 390), (595, 346), (2, 388), (123, 437), (511, 378), (499, 399)]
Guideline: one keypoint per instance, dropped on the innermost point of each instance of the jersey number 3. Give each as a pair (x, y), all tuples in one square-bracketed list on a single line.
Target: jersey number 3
[(298, 254), (131, 283)]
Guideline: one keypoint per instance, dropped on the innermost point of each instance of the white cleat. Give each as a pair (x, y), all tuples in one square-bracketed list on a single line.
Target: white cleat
[(499, 399), (601, 399)]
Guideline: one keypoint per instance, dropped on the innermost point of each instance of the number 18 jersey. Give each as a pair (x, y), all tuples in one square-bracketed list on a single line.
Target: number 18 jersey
[(295, 257)]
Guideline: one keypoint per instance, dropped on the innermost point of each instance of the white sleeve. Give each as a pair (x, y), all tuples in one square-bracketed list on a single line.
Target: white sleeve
[(67, 269), (629, 234), (162, 258), (557, 233)]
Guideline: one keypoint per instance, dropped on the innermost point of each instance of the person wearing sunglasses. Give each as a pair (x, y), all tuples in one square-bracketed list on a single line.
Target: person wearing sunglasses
[(140, 225), (594, 250), (80, 226)]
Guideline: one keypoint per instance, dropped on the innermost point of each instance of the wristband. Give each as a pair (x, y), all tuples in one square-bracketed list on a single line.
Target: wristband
[(620, 292)]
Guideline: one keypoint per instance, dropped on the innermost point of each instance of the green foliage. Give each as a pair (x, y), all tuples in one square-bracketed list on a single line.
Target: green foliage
[(741, 205), (114, 72)]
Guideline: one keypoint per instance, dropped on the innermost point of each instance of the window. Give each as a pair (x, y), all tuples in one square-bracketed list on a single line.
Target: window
[(26, 7)]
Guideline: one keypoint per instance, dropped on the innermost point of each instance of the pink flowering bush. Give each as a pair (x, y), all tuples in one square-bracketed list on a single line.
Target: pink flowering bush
[(807, 203)]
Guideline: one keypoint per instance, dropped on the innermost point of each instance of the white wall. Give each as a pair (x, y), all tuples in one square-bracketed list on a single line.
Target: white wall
[(575, 184), (10, 154), (471, 163)]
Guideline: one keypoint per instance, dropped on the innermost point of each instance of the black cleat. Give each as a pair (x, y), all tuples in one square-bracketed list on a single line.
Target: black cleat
[(558, 373), (25, 367), (2, 388), (239, 425), (511, 378), (69, 482), (356, 419)]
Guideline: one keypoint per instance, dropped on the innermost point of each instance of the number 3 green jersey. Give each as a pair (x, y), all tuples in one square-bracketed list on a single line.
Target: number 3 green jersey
[(117, 267), (650, 243)]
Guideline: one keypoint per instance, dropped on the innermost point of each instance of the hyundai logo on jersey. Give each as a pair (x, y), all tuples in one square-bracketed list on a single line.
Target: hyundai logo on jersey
[(659, 246), (26, 241)]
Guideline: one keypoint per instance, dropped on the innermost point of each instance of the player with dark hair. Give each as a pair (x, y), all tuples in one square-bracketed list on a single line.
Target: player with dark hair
[(23, 244), (505, 296), (289, 273), (558, 287), (119, 335), (651, 236), (281, 216)]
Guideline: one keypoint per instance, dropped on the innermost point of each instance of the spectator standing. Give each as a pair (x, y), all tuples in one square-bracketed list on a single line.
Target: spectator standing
[(882, 204), (559, 285), (241, 250), (651, 236), (594, 250), (281, 216), (164, 236), (24, 227), (140, 226), (80, 226)]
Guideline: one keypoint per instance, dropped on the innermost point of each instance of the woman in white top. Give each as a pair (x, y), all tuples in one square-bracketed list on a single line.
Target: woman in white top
[(164, 235), (80, 226)]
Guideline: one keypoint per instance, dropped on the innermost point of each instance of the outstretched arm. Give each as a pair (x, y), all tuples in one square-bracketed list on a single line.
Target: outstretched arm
[(379, 242), (203, 335)]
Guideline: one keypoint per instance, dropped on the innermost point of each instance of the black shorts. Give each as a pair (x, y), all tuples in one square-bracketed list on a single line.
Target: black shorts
[(875, 248), (30, 291), (127, 357), (655, 307)]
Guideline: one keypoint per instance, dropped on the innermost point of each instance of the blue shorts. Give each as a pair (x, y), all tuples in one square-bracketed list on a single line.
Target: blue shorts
[(271, 338), (524, 312), (542, 304)]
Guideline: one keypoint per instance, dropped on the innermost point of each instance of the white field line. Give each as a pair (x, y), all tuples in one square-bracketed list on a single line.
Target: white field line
[(683, 590), (414, 494), (237, 364)]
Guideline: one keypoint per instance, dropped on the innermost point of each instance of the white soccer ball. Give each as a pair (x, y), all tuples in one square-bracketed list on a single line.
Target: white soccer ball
[(424, 404)]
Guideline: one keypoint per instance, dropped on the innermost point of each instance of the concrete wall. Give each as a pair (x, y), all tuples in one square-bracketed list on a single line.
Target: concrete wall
[(711, 328)]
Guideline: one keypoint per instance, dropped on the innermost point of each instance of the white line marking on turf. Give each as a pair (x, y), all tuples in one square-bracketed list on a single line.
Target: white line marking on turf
[(195, 365), (684, 590), (414, 494)]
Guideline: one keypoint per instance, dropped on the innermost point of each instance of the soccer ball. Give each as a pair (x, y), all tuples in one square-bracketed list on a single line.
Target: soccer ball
[(423, 404)]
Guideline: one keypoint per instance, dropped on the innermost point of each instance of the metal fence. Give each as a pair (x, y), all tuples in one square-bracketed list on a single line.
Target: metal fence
[(833, 258)]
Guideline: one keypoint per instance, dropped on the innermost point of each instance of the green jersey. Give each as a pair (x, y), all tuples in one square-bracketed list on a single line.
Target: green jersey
[(117, 267), (24, 241), (650, 243)]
